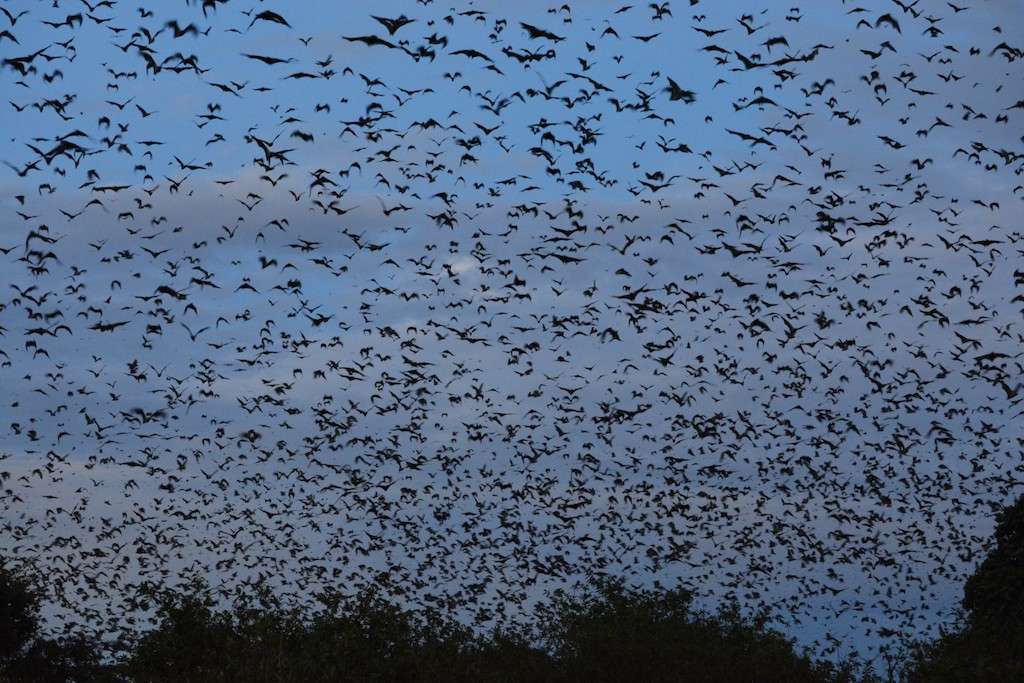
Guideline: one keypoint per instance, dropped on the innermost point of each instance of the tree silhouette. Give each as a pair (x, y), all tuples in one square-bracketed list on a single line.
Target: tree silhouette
[(988, 644), (361, 637), (615, 633), (19, 607), (606, 631), (995, 592), (24, 654)]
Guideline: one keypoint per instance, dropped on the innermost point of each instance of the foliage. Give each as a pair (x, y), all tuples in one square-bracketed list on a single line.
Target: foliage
[(362, 637), (608, 631), (19, 606), (27, 656), (615, 633), (979, 652), (995, 592), (988, 642), (73, 658)]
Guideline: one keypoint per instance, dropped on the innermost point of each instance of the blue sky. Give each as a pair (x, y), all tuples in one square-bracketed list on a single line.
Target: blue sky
[(490, 405)]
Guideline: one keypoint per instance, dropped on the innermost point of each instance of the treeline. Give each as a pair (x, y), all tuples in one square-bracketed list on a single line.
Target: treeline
[(611, 632)]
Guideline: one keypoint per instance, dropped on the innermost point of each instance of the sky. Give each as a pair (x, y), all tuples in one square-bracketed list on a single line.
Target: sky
[(494, 309)]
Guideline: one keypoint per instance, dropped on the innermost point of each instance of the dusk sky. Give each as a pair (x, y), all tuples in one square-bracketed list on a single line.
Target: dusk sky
[(486, 300)]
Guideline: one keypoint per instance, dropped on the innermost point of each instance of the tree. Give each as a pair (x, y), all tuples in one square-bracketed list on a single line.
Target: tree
[(607, 631), (25, 655), (19, 612), (987, 644), (995, 592), (191, 640), (614, 633), (70, 659), (361, 637)]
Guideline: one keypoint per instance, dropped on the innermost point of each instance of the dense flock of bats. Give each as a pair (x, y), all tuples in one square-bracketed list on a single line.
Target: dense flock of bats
[(466, 305)]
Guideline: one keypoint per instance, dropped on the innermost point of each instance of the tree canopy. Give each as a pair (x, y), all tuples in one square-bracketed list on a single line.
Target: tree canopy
[(607, 631), (988, 643)]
